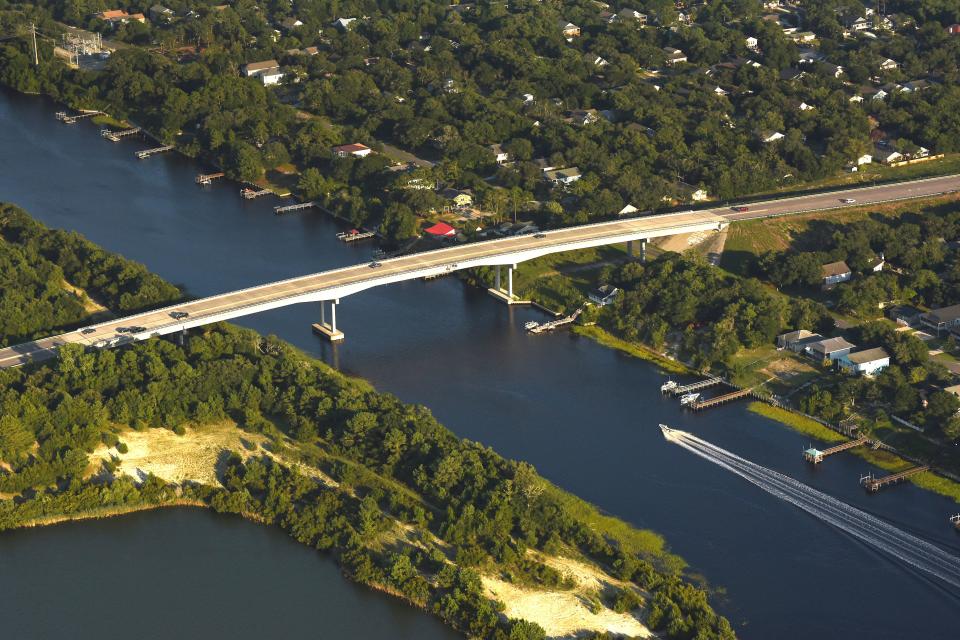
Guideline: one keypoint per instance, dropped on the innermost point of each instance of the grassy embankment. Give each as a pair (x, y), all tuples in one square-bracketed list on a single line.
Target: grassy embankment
[(883, 459)]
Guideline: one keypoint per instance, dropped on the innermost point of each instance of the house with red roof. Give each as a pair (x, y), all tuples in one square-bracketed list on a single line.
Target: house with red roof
[(441, 230)]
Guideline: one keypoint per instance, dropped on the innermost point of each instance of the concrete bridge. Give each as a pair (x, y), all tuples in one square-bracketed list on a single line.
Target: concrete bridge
[(329, 286)]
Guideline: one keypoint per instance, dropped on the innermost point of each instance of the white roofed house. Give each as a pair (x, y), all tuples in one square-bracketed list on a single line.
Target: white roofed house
[(343, 23), (499, 155), (604, 295), (594, 60), (289, 24), (752, 43), (770, 136), (866, 362), (268, 71)]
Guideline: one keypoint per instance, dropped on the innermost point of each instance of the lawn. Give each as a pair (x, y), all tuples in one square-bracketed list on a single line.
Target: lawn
[(749, 239)]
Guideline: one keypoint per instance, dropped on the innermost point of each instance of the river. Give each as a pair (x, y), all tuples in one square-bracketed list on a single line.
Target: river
[(584, 415)]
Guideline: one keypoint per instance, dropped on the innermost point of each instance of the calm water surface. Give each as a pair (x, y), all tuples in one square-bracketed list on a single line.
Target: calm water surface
[(584, 415), (186, 573)]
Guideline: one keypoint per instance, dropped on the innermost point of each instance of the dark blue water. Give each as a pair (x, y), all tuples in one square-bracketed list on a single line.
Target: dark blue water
[(186, 573), (584, 415)]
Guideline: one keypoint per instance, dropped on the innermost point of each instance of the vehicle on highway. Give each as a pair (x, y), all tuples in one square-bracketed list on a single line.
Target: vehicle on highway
[(124, 329), (179, 315), (137, 329), (539, 235), (375, 265), (847, 200), (740, 208), (88, 330)]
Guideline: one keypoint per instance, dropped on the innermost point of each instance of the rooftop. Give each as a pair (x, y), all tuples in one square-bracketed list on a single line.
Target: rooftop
[(835, 269), (867, 355)]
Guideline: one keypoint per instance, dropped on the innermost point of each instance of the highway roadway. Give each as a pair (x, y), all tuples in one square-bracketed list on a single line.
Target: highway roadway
[(337, 283)]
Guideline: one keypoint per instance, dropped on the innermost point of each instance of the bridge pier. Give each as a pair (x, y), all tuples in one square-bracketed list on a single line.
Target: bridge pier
[(325, 329), (498, 292), (631, 253)]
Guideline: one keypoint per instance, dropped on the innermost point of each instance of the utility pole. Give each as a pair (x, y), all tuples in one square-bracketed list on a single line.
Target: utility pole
[(36, 57)]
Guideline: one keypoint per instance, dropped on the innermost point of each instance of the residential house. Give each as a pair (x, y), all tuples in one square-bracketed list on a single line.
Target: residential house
[(582, 117), (604, 295), (627, 210), (355, 150), (343, 23), (267, 70), (458, 198), (889, 65), (866, 362), (752, 43), (692, 193), (942, 320), (629, 15), (289, 24), (594, 60), (954, 30), (914, 85), (876, 264), (835, 273), (833, 70), (803, 36), (770, 136), (886, 155), (790, 74), (441, 230), (905, 315), (860, 24), (160, 13), (809, 56), (568, 29), (674, 56), (829, 349), (499, 155), (864, 159), (797, 340), (562, 176), (120, 16)]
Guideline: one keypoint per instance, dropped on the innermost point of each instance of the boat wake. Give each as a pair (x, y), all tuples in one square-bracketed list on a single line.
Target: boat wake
[(875, 532)]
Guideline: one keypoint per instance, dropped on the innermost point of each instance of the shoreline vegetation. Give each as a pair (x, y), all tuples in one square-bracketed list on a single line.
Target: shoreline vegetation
[(400, 502), (886, 460)]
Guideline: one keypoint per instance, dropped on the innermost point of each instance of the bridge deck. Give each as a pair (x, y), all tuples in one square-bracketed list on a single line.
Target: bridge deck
[(342, 282)]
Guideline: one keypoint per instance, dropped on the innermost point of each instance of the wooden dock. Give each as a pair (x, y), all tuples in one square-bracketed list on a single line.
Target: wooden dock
[(292, 207), (717, 401), (115, 136), (694, 386), (207, 178), (355, 235), (555, 324), (65, 118), (146, 153), (874, 484), (250, 194), (815, 456)]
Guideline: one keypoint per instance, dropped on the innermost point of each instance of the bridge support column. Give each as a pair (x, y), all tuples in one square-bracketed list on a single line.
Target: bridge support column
[(630, 249), (328, 330), (507, 295), (643, 250)]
